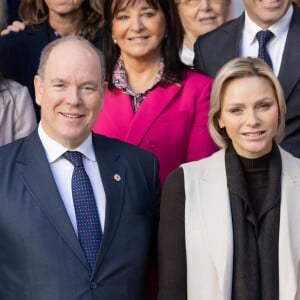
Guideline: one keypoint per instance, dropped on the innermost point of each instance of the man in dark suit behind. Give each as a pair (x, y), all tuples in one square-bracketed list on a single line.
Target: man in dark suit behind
[(238, 38), (41, 255)]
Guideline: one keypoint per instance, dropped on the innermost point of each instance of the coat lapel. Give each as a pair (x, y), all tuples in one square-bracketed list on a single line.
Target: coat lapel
[(132, 127), (38, 179), (289, 70), (217, 220), (289, 244), (113, 176), (153, 106), (116, 114), (233, 36)]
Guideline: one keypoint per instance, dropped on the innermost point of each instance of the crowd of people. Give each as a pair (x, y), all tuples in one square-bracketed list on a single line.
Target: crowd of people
[(149, 150)]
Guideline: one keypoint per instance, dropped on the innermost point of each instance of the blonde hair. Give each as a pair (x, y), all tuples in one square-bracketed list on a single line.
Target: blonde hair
[(238, 68)]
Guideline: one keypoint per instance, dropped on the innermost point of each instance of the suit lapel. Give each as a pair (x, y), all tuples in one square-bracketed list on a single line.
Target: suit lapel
[(217, 221), (233, 36), (38, 179), (289, 70), (113, 176)]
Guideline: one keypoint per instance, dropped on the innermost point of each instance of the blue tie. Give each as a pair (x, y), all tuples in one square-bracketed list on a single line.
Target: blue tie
[(263, 38), (88, 222)]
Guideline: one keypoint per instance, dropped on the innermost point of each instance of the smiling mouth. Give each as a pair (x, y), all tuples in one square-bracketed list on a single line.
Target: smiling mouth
[(72, 116), (268, 1), (207, 19), (140, 38), (254, 134)]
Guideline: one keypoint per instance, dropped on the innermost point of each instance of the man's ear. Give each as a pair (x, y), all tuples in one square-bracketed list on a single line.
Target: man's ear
[(38, 88)]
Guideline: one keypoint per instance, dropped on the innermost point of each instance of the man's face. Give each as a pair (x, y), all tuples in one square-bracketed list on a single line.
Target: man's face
[(266, 12), (70, 93)]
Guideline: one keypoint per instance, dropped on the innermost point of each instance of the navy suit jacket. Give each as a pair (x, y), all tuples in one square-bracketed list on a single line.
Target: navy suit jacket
[(216, 48), (40, 256)]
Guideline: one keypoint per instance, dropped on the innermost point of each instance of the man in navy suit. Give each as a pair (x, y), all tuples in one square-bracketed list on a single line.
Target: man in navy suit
[(41, 255), (238, 38)]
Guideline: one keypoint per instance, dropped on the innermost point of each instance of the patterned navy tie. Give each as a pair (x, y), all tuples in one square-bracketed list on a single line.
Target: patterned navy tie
[(263, 38), (88, 222)]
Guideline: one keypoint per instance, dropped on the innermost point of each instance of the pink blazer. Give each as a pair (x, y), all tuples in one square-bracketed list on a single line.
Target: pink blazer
[(171, 122)]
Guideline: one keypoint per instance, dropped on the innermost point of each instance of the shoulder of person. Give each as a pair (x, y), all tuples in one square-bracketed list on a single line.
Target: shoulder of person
[(195, 77), (230, 26), (25, 34), (205, 164), (289, 160), (118, 146), (14, 90), (14, 85), (9, 153)]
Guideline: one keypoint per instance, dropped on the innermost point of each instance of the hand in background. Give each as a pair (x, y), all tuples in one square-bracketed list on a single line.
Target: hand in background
[(16, 26)]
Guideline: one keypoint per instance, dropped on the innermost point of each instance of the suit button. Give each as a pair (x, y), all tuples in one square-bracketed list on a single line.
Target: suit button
[(152, 144), (93, 285)]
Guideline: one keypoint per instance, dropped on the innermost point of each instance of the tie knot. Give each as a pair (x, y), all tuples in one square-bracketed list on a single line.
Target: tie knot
[(264, 36), (74, 157)]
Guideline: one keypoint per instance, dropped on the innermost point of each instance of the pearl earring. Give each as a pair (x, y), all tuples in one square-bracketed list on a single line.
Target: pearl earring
[(114, 40)]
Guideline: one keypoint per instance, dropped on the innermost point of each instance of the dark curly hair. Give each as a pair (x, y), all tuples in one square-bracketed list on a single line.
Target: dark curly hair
[(174, 68)]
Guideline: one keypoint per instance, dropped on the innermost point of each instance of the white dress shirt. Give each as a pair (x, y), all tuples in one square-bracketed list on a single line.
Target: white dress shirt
[(62, 171), (249, 43), (187, 55)]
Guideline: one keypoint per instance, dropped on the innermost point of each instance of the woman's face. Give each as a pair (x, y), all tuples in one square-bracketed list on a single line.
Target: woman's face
[(139, 30), (201, 16), (249, 113), (63, 7)]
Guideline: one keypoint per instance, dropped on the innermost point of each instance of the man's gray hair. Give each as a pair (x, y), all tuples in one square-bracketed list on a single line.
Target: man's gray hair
[(48, 49)]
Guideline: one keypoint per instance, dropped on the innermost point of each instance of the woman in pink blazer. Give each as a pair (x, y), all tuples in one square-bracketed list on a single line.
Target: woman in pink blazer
[(153, 100)]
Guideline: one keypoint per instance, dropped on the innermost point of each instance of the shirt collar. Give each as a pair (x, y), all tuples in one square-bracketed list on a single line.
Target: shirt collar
[(120, 79), (279, 28), (54, 150)]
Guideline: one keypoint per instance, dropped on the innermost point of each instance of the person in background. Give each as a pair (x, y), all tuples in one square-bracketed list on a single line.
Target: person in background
[(17, 117), (2, 15), (153, 100), (229, 223), (46, 21), (79, 211), (275, 25), (12, 10), (199, 17)]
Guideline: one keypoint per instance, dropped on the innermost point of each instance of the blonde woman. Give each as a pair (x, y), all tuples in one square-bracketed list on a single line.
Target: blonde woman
[(229, 223)]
